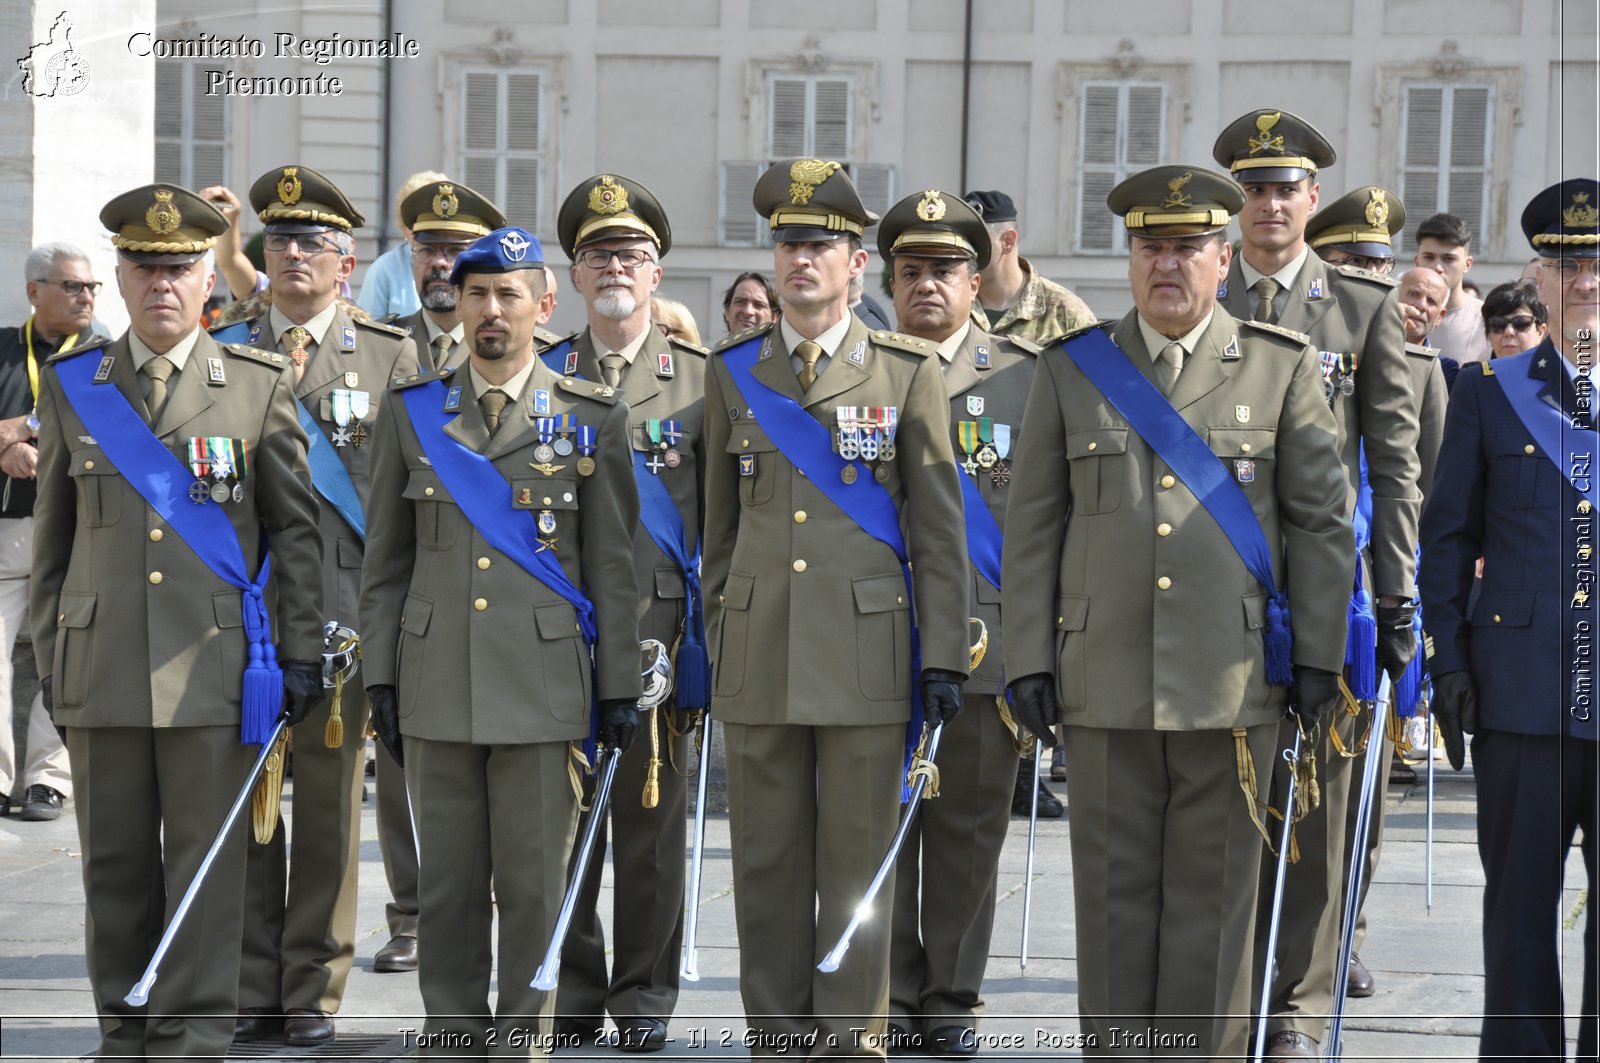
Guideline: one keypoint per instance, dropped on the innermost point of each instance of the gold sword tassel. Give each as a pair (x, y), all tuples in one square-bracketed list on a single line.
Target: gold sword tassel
[(268, 795)]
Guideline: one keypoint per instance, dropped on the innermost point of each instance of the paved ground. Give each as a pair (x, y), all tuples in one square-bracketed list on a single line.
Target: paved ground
[(1428, 967)]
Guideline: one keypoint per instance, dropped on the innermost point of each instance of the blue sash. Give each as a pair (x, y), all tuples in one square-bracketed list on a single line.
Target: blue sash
[(983, 534), (1149, 413), (328, 474), (808, 445), (660, 517), (1549, 427), (163, 481)]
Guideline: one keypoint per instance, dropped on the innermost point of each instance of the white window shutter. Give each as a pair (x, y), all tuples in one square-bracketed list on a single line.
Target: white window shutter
[(503, 138), (787, 118), (523, 116), (1422, 121), (1467, 189), (169, 146), (519, 196), (740, 224), (208, 133), (831, 119), (481, 111), (874, 182), (1121, 130), (1097, 226), (1145, 127), (1100, 123)]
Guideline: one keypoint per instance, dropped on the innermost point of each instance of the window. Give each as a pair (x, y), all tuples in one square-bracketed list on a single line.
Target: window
[(1121, 130), (1446, 137), (503, 139), (191, 127)]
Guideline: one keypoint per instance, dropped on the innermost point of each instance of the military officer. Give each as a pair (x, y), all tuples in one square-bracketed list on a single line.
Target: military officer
[(444, 218), (478, 636), (615, 232), (157, 761), (1513, 662), (1353, 319), (300, 924), (1123, 598), (944, 901), (822, 438)]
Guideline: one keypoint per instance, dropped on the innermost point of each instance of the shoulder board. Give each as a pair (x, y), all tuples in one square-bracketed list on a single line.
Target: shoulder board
[(1297, 338), (1107, 325), (401, 383), (1021, 343), (740, 337), (93, 343), (391, 318), (1417, 350), (544, 339), (383, 327), (885, 338), (588, 389), (685, 345), (1367, 275), (1481, 368), (255, 354)]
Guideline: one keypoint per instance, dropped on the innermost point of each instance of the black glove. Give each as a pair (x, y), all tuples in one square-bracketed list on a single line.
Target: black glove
[(50, 707), (1397, 640), (619, 724), (302, 689), (1313, 693), (1033, 704), (386, 720), (1455, 706), (941, 695)]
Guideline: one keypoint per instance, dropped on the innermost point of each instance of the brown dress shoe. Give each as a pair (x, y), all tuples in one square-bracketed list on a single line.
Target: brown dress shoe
[(1358, 981), (303, 1027), (400, 954), (1287, 1044), (252, 1024)]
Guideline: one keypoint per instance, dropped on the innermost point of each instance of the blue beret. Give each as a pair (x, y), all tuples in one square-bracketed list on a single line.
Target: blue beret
[(502, 251)]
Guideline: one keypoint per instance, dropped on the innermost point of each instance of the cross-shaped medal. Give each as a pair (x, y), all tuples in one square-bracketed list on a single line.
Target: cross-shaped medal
[(341, 437), (655, 463), (358, 436)]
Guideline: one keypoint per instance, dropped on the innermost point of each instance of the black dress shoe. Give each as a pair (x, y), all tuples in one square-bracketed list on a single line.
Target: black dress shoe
[(641, 1035), (41, 803), (953, 1042), (1021, 797), (902, 1041), (400, 954), (252, 1024), (303, 1027), (1358, 980)]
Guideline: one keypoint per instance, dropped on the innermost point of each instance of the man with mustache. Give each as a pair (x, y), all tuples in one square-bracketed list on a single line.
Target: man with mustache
[(299, 937), (444, 218), (616, 232)]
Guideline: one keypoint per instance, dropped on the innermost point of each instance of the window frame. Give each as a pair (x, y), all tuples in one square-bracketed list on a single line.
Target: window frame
[(1443, 168), (1120, 168), (186, 141)]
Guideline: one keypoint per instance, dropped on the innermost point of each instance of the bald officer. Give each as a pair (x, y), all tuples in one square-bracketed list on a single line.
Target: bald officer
[(143, 618), (945, 879), (1353, 320), (1133, 618), (615, 232), (823, 440), (493, 567), (444, 218)]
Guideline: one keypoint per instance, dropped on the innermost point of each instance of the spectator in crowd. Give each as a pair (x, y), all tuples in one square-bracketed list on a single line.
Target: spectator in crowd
[(1422, 299), (1514, 318), (1015, 299), (388, 287), (864, 306), (240, 273), (674, 320), (1530, 272), (1444, 245), (750, 302)]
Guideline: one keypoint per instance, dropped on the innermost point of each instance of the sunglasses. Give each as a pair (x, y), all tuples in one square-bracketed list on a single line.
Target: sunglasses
[(1521, 323), (77, 288)]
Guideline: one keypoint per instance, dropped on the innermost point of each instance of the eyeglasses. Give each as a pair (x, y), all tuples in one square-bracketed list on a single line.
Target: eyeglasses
[(428, 252), (600, 258), (76, 288), (1570, 268), (1520, 323), (310, 244)]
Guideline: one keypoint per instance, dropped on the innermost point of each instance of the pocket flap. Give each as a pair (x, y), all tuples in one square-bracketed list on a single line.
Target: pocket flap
[(1072, 612), (736, 592), (1092, 442), (415, 615), (91, 461), (1504, 609), (76, 609), (1241, 442), (669, 583), (350, 552), (543, 492), (557, 620), (228, 607), (1255, 611), (745, 438), (880, 594), (424, 484)]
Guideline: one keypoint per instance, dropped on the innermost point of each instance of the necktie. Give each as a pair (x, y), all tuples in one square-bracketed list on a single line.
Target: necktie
[(1266, 290), (808, 353), (1171, 366), (156, 372), (444, 343), (493, 402), (611, 367)]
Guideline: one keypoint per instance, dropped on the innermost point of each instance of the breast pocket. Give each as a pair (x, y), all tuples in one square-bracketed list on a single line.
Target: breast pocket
[(99, 488), (1097, 458), (1527, 479), (1247, 454), (883, 637), (757, 458), (437, 514)]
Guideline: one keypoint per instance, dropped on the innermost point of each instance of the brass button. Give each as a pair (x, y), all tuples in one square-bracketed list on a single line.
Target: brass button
[(1497, 618), (88, 465), (1244, 448), (483, 563), (1528, 449), (1094, 446), (61, 618), (899, 599), (799, 516), (480, 604), (1061, 620), (1167, 481), (156, 535), (428, 491), (1164, 583), (744, 442), (155, 577), (800, 565), (547, 500), (722, 599), (1163, 529)]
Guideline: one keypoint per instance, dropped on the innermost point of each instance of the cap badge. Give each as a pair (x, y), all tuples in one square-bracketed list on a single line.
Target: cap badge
[(1266, 141), (1582, 214), (514, 246), (1176, 196), (608, 197), (289, 187), (932, 207), (445, 203), (804, 177), (1377, 207), (163, 216)]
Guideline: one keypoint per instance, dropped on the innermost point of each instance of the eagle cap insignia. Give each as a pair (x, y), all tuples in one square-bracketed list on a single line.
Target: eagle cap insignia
[(163, 216), (1582, 214), (608, 197), (932, 207), (1377, 207), (1265, 139), (804, 177), (445, 203), (1176, 197), (289, 186)]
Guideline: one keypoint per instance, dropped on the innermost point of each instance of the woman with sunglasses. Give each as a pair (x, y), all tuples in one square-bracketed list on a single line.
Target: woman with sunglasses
[(1515, 318)]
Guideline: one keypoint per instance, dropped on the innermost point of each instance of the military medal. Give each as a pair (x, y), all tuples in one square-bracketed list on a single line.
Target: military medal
[(869, 433), (563, 443), (241, 468), (848, 474), (544, 452), (1329, 361), (221, 467), (849, 433), (297, 338), (200, 465), (586, 443), (967, 436), (986, 453), (547, 522), (339, 402), (888, 421), (652, 429), (673, 431), (1244, 470), (360, 403), (1000, 475)]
